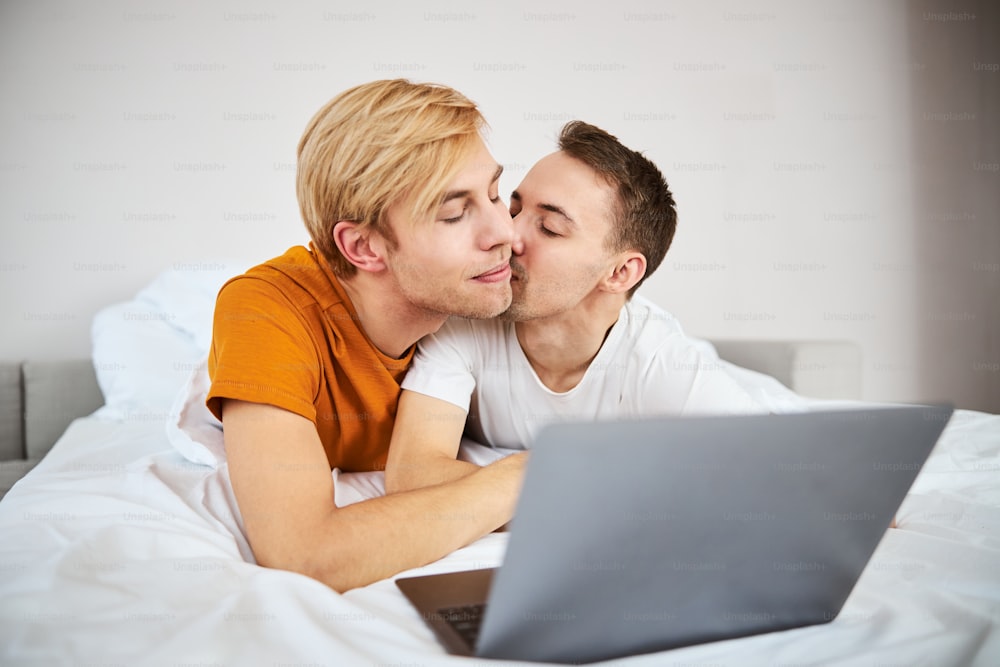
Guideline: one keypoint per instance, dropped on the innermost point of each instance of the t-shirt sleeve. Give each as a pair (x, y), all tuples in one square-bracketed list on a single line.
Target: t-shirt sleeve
[(696, 381), (443, 365), (261, 351)]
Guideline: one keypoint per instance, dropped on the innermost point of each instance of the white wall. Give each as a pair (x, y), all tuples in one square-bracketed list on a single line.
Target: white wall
[(135, 138)]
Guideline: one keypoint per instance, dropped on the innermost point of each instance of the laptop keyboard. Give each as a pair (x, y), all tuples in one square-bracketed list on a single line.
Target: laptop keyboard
[(465, 620)]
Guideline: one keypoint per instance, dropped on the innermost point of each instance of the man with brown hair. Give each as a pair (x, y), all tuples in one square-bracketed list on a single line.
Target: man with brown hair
[(399, 194), (591, 222)]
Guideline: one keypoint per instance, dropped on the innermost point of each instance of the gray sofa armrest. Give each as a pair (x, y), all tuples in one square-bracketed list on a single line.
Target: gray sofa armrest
[(38, 400), (11, 412), (56, 393), (819, 369)]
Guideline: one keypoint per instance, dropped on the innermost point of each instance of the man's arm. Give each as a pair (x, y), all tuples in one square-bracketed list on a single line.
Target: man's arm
[(284, 489), (425, 441)]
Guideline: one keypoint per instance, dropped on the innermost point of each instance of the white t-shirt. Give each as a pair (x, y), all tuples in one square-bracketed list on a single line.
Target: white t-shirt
[(647, 366)]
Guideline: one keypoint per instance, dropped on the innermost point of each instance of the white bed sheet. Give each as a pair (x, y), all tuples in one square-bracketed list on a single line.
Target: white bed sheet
[(116, 550)]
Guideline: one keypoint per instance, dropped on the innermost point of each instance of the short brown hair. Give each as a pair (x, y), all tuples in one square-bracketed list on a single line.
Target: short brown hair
[(375, 144), (645, 216)]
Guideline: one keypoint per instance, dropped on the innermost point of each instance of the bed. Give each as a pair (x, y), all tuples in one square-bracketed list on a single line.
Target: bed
[(120, 548)]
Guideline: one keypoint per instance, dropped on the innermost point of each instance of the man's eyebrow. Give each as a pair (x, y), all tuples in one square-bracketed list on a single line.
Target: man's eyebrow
[(516, 196), (458, 194), (556, 209)]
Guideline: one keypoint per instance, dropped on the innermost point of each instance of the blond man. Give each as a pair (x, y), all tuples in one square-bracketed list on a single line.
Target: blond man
[(399, 194)]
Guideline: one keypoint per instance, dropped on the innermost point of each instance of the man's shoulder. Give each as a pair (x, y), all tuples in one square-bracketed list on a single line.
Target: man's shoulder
[(296, 266), (654, 333), (646, 316), (298, 276), (463, 342)]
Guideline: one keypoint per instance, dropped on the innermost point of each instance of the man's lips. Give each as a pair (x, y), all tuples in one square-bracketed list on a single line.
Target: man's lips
[(500, 273)]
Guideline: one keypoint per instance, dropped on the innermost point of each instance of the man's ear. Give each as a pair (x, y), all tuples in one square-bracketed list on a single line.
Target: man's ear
[(628, 269), (360, 246)]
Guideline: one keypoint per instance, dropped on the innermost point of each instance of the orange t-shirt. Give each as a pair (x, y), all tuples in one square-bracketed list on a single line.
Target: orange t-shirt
[(286, 334)]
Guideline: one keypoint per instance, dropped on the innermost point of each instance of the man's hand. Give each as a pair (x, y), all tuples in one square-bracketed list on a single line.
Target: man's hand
[(516, 464), (282, 482)]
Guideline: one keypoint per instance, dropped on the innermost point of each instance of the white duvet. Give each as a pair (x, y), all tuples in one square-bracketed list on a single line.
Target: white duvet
[(125, 548), (115, 550)]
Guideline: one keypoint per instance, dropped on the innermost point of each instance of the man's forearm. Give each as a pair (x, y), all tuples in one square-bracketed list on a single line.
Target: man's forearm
[(430, 471), (378, 538), (282, 483)]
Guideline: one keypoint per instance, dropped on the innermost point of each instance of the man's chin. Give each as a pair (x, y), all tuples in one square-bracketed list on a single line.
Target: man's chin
[(482, 309), (515, 312)]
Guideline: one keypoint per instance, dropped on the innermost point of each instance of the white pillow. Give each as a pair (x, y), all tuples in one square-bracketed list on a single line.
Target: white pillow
[(145, 349), (191, 428), (140, 360), (185, 294)]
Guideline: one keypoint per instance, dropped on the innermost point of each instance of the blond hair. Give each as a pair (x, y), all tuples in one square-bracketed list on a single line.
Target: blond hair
[(374, 145)]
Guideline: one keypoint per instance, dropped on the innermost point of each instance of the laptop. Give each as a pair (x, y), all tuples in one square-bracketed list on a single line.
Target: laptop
[(645, 535)]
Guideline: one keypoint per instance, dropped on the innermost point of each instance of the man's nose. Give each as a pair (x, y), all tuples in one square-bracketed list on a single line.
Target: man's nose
[(517, 244), (500, 227)]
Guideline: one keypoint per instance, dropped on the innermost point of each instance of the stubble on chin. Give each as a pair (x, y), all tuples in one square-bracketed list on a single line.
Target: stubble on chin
[(515, 312), (479, 310)]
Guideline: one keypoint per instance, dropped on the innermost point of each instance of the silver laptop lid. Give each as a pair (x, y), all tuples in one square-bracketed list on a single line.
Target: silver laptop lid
[(646, 535)]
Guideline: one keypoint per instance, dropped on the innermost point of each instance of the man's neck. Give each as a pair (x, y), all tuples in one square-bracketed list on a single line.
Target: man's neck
[(561, 348), (391, 323)]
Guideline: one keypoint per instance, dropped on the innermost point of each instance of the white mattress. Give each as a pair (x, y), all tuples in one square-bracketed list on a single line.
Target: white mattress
[(115, 550)]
